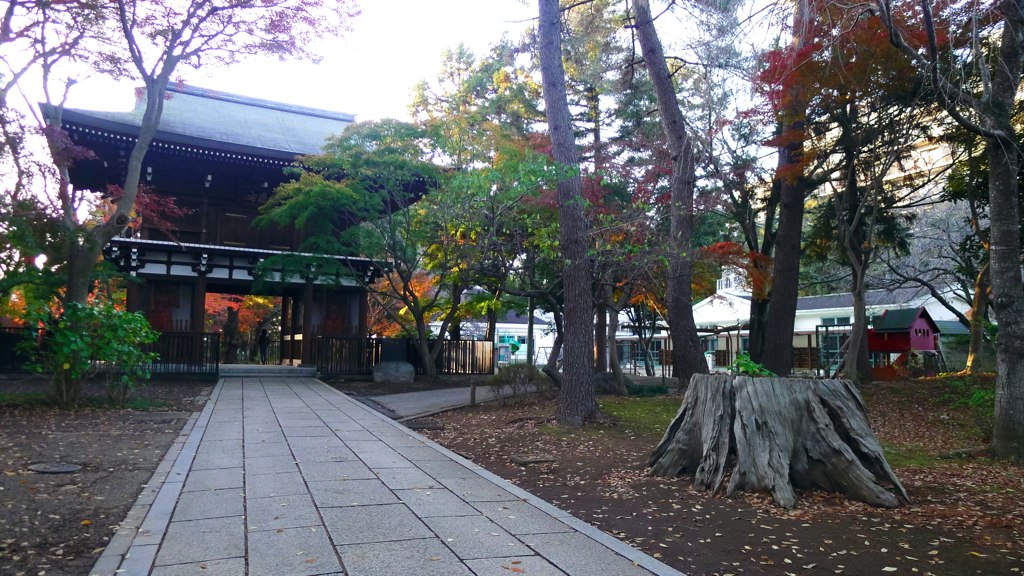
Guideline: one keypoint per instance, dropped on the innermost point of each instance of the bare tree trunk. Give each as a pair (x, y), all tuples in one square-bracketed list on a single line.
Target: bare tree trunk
[(778, 345), (529, 332), (576, 399), (423, 348), (686, 355), (979, 304), (1007, 289), (613, 352), (600, 338), (857, 352), (756, 328)]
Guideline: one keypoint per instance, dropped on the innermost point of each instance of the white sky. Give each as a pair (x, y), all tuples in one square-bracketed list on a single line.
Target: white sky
[(370, 73)]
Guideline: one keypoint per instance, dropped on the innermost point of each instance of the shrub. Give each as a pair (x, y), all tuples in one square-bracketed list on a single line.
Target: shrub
[(85, 339), (518, 380)]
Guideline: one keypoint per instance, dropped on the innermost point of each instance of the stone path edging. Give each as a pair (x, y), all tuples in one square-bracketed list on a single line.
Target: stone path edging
[(178, 458)]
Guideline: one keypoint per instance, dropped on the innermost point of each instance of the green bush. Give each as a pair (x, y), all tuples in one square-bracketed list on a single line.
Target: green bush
[(86, 339), (518, 379), (747, 367)]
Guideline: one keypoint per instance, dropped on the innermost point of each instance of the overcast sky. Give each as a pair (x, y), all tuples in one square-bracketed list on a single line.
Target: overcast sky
[(370, 73)]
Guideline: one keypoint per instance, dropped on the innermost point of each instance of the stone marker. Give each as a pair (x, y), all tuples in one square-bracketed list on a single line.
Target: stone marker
[(393, 373)]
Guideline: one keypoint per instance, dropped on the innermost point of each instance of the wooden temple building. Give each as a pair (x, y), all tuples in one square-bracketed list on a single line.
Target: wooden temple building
[(222, 156)]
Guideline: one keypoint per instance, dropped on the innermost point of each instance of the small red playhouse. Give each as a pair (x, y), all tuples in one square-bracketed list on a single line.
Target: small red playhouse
[(901, 331)]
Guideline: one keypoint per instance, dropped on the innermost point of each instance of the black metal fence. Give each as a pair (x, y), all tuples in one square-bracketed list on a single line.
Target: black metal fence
[(339, 356), (186, 353), (178, 352), (12, 359)]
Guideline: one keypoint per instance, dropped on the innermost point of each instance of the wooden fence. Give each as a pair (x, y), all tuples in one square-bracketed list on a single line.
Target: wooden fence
[(339, 356), (459, 357), (346, 355)]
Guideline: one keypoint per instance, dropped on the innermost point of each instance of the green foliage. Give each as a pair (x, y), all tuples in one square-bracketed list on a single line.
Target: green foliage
[(640, 416), (970, 393), (747, 367), (87, 338), (646, 391), (144, 404), (519, 379), (899, 456)]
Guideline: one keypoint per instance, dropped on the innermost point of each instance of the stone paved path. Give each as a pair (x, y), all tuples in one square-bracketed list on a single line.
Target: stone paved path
[(432, 401), (282, 477)]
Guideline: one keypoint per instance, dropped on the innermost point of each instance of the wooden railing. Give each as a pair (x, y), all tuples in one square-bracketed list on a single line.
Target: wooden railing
[(346, 355), (338, 356), (458, 357)]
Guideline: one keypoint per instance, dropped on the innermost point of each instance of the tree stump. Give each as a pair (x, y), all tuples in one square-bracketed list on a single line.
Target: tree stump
[(777, 434)]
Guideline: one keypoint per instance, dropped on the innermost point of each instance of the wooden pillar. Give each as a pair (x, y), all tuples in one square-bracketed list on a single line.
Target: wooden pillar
[(307, 322), (296, 348), (199, 304), (131, 299), (286, 344), (364, 312)]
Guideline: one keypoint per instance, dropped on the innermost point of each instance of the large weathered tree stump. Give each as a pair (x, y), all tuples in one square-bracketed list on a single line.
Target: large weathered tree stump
[(777, 434)]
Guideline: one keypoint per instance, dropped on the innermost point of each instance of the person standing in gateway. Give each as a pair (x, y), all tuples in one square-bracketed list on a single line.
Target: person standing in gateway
[(263, 341)]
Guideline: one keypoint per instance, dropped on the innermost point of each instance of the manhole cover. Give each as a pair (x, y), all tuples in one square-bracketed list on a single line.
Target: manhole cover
[(55, 468)]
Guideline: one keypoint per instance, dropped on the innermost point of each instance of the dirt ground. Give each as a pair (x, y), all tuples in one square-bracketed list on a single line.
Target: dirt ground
[(58, 524), (966, 517)]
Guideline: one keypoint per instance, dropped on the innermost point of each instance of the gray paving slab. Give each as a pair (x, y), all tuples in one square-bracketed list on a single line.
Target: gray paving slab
[(377, 454), (332, 493), (330, 453), (521, 518), (307, 431), (421, 453), (402, 478), (263, 449), (201, 540), (209, 504), (213, 479), (362, 525), (427, 557), (578, 555), (351, 435), (227, 567), (214, 461), (316, 442), (474, 488), (440, 502), (444, 469), (347, 470), (475, 537), (530, 565), (264, 485), (276, 512), (139, 559), (270, 465), (219, 447), (267, 436), (292, 552)]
